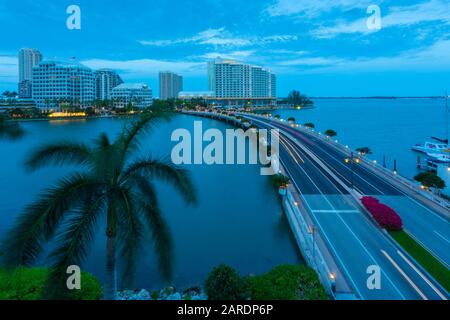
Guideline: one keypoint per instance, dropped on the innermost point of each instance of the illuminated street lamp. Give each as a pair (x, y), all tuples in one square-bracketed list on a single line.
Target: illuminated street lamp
[(333, 281)]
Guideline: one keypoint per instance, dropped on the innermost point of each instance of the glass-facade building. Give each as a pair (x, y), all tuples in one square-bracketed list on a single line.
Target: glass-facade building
[(58, 82), (239, 84), (28, 58), (105, 81), (138, 94)]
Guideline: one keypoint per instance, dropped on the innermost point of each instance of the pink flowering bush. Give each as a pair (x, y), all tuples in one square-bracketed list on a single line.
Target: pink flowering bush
[(385, 216)]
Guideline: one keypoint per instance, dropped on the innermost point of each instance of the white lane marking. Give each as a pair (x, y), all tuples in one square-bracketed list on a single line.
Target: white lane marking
[(323, 233), (371, 257), (422, 276), (395, 187), (426, 248), (366, 169), (440, 235), (348, 227), (424, 297), (335, 211)]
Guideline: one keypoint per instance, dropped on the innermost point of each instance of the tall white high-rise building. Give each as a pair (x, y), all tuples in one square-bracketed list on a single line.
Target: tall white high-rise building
[(235, 83), (57, 83), (105, 81), (170, 85), (28, 58)]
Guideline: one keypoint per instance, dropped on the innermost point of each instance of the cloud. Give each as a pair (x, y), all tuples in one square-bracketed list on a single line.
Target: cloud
[(433, 58), (132, 69), (233, 55), (430, 11), (220, 37), (311, 61), (312, 8)]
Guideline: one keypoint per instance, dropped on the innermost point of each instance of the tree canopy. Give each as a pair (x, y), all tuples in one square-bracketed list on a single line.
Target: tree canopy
[(430, 180), (297, 98)]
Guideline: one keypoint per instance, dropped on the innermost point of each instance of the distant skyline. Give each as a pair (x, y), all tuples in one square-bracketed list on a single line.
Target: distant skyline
[(322, 48)]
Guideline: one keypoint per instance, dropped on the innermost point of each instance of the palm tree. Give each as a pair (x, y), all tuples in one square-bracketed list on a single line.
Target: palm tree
[(10, 130), (110, 184)]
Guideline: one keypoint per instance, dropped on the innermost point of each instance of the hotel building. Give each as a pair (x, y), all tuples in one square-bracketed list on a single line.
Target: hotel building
[(28, 58), (170, 85), (105, 81), (138, 94), (239, 84), (57, 82)]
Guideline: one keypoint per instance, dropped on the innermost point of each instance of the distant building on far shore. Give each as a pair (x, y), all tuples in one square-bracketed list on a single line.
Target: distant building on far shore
[(28, 58), (138, 94), (239, 84), (189, 95), (170, 85), (105, 81), (58, 83)]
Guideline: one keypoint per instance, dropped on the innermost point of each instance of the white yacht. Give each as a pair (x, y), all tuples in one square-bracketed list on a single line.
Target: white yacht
[(432, 148)]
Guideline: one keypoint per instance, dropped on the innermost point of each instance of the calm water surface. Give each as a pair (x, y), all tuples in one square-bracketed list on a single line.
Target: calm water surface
[(390, 127), (238, 220)]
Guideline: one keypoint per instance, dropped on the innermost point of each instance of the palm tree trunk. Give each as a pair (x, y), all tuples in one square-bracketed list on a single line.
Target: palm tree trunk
[(111, 275)]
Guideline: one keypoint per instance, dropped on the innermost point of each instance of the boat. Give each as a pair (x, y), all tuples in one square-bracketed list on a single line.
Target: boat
[(439, 157), (432, 148)]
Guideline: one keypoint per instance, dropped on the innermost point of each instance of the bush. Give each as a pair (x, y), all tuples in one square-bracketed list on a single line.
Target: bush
[(330, 133), (287, 282), (430, 180), (29, 284), (225, 283), (385, 216), (280, 181)]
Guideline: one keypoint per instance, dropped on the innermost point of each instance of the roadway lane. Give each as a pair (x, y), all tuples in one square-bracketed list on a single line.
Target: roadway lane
[(354, 241), (428, 227)]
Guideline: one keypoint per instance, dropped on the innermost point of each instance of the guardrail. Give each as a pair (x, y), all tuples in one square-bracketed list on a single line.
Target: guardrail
[(373, 164), (311, 243)]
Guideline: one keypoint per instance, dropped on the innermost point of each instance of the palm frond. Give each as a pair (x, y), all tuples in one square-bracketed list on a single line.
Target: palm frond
[(75, 239), (10, 130), (61, 153), (161, 236), (107, 158), (166, 171), (102, 141), (130, 137), (130, 235), (23, 243)]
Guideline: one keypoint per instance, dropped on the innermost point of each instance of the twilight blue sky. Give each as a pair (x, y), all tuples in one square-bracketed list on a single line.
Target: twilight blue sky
[(321, 47)]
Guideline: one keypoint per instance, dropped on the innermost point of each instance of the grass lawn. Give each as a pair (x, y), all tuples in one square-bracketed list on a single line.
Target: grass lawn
[(422, 256)]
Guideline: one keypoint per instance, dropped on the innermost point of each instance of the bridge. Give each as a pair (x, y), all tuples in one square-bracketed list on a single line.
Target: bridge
[(324, 197)]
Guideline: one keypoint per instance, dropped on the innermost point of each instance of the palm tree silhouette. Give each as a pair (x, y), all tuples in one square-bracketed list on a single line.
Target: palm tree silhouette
[(109, 184)]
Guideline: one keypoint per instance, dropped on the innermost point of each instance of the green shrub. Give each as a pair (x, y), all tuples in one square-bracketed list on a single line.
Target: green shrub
[(154, 295), (287, 282), (279, 180), (29, 284), (225, 283)]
